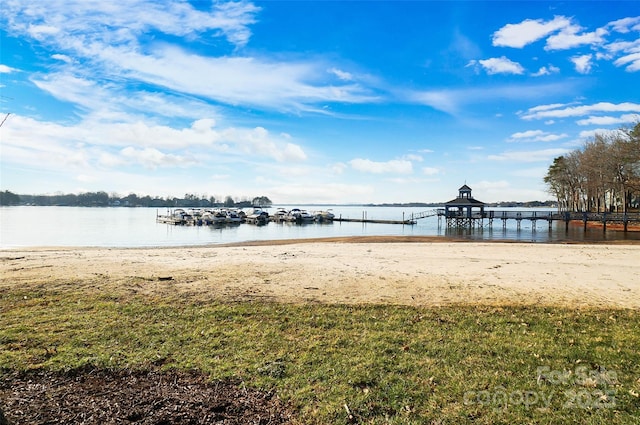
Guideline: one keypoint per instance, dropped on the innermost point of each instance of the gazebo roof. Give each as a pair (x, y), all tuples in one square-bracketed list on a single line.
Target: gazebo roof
[(464, 202), (465, 188)]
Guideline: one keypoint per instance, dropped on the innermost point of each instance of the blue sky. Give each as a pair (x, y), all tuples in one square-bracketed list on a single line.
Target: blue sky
[(309, 101)]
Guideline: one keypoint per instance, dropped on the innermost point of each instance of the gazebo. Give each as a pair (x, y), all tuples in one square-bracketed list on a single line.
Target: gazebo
[(460, 212)]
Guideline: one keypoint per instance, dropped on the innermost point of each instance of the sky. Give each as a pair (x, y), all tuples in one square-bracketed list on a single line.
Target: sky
[(309, 101)]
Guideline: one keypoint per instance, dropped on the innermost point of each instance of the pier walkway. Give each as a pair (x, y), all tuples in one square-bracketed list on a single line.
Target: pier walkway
[(471, 219)]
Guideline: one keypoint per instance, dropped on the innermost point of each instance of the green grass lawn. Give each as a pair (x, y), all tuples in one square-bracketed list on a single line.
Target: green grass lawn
[(351, 364)]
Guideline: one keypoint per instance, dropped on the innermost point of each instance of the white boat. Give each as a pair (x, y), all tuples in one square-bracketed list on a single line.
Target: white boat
[(301, 216), (219, 217), (258, 217), (233, 217), (181, 214), (208, 217), (324, 216), (281, 215)]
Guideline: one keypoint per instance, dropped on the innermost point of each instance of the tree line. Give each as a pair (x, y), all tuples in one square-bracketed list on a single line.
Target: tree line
[(103, 199), (602, 176)]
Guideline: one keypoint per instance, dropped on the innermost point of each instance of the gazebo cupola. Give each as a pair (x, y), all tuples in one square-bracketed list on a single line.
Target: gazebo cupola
[(464, 192)]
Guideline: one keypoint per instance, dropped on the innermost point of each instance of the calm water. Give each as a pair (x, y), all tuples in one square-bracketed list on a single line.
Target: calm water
[(136, 227)]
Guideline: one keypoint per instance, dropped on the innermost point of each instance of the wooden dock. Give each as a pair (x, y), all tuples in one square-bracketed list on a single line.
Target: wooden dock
[(369, 220), (454, 219), (366, 219)]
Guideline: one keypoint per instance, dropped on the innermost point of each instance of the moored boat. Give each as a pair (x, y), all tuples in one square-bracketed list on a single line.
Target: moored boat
[(324, 216), (301, 216)]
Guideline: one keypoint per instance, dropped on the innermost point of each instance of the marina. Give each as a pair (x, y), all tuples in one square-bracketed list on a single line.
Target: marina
[(460, 213)]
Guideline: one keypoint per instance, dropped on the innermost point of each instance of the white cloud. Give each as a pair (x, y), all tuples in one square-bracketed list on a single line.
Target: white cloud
[(529, 156), (343, 75), (117, 50), (632, 59), (153, 158), (452, 100), (413, 157), (90, 143), (589, 134), (546, 71), (569, 38), (606, 120), (535, 136), (526, 134), (4, 69), (582, 63), (625, 25), (259, 141), (546, 107), (237, 80), (501, 65), (559, 110), (63, 58), (562, 33), (109, 102), (430, 171), (393, 166), (40, 32), (623, 46), (528, 31), (45, 21)]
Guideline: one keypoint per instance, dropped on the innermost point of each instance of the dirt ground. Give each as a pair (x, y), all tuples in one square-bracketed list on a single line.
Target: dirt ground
[(95, 397)]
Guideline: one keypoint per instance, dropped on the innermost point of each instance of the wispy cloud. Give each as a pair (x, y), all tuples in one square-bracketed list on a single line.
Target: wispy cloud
[(4, 69), (564, 111), (397, 166), (590, 134), (632, 61), (452, 100), (535, 136), (529, 156), (83, 25), (625, 25), (121, 52), (430, 171), (608, 120)]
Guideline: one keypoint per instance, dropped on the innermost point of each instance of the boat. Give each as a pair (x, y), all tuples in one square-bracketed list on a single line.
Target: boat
[(324, 216), (207, 217), (233, 217), (280, 215), (258, 217), (301, 216)]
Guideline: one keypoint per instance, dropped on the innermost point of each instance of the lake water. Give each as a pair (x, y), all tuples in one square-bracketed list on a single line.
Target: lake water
[(27, 226)]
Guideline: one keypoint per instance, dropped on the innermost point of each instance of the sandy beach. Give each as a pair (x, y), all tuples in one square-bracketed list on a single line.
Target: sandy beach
[(417, 272)]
